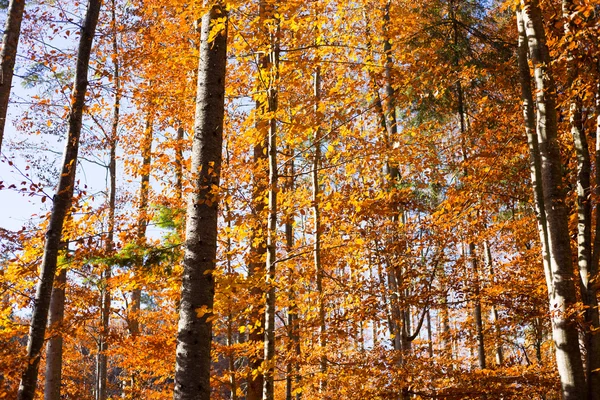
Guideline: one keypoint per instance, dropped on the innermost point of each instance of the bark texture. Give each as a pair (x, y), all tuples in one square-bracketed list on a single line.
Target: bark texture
[(10, 42), (192, 371)]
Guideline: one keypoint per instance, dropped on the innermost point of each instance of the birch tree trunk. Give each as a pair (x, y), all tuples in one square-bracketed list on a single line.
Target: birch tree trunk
[(594, 348), (10, 43), (562, 289), (61, 204), (192, 371), (535, 162)]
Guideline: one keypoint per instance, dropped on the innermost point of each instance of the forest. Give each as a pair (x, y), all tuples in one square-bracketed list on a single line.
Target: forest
[(295, 200)]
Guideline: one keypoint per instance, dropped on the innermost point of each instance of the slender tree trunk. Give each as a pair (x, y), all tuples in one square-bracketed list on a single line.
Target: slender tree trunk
[(10, 42), (389, 117), (584, 217), (102, 360), (142, 223), (535, 162), (592, 288), (192, 371), (477, 309), (269, 344), (463, 131), (179, 164), (429, 336), (494, 310), (54, 347), (292, 368), (562, 291), (101, 357), (258, 249), (317, 236), (230, 337), (61, 204)]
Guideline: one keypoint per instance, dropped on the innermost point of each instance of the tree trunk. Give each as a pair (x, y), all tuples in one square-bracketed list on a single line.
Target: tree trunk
[(584, 217), (535, 161), (258, 249), (317, 236), (562, 291), (142, 223), (429, 336), (477, 309), (494, 310), (230, 320), (269, 344), (594, 338), (179, 164), (192, 371), (102, 360), (10, 42), (61, 204), (54, 349), (292, 368)]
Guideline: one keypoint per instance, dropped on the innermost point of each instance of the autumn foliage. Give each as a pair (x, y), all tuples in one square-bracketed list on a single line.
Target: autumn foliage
[(401, 150)]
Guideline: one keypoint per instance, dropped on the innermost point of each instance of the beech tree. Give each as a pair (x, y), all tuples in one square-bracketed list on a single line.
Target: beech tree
[(192, 374)]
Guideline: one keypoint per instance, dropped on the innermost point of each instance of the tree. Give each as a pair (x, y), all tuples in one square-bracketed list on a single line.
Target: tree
[(192, 373), (8, 56), (62, 203), (561, 288)]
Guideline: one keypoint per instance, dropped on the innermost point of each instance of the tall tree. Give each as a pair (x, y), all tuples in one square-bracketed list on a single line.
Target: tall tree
[(587, 269), (10, 43), (192, 371), (561, 289), (105, 306), (271, 108), (61, 205)]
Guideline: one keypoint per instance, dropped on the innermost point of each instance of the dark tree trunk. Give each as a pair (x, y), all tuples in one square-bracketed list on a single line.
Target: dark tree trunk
[(54, 347), (142, 222), (10, 42), (192, 371), (61, 205)]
